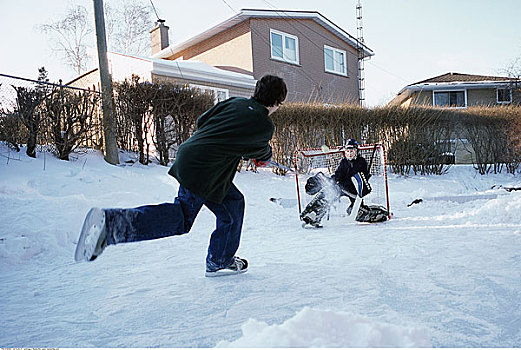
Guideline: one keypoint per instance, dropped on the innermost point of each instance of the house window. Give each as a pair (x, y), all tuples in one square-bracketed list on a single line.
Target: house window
[(218, 93), (284, 47), (450, 99), (504, 95), (335, 60), (221, 94)]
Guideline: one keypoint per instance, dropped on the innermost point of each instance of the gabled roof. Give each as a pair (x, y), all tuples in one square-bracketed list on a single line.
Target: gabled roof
[(451, 81), (461, 81), (463, 78), (246, 14)]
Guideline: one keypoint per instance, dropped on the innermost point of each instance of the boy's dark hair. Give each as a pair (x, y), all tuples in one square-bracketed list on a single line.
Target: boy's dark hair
[(270, 90)]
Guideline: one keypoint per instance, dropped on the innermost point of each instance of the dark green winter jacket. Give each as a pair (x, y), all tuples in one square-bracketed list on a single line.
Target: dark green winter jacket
[(206, 163)]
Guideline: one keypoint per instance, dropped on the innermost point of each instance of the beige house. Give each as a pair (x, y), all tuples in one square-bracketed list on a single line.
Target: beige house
[(317, 59), (455, 90), (223, 83)]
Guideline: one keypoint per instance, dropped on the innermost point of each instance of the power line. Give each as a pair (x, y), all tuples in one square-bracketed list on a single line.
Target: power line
[(154, 8), (171, 50), (388, 72), (231, 8), (48, 83)]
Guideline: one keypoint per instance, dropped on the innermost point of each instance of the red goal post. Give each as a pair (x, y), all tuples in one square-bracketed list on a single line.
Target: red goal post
[(309, 162)]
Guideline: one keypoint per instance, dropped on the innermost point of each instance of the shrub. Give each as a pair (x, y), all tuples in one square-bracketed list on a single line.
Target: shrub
[(70, 118)]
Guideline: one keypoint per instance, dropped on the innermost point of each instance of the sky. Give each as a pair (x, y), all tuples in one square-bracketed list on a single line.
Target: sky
[(412, 39)]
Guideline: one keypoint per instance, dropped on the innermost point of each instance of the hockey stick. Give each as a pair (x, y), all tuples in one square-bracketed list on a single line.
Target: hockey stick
[(349, 194), (372, 157), (457, 198), (276, 165), (284, 202), (280, 166)]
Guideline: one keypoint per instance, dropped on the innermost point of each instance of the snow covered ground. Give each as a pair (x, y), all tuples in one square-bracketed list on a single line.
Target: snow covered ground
[(441, 273)]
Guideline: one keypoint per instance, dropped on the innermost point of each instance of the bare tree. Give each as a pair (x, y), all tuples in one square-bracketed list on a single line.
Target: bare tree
[(128, 27), (133, 102), (70, 36), (71, 117), (127, 24), (513, 70), (12, 130), (27, 102)]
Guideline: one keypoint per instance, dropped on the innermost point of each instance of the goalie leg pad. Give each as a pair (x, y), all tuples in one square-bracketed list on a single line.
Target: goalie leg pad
[(316, 209), (372, 213)]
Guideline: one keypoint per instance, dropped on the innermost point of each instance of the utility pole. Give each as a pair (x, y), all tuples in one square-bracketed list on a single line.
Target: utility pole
[(109, 125)]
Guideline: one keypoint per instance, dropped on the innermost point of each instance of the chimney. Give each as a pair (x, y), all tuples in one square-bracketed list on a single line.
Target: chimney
[(159, 36)]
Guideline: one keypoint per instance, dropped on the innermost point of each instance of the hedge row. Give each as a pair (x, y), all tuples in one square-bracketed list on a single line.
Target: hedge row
[(415, 138), (163, 114), (60, 118), (160, 114)]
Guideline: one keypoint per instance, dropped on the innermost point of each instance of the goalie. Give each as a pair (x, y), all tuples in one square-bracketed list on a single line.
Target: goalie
[(327, 190)]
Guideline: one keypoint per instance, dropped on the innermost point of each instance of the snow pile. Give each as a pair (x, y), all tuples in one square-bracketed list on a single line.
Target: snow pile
[(505, 209), (500, 208), (329, 329)]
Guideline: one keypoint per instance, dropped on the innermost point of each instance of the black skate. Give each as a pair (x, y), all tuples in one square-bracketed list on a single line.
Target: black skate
[(92, 240), (308, 220), (238, 265)]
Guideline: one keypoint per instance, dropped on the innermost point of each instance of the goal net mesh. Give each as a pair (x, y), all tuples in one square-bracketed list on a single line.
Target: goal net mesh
[(309, 162)]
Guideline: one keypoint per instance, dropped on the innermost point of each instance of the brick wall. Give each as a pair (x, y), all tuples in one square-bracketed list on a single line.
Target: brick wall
[(307, 80), (217, 50), (247, 46)]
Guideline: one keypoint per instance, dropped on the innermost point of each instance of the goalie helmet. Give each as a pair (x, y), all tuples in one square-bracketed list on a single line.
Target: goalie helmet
[(351, 145)]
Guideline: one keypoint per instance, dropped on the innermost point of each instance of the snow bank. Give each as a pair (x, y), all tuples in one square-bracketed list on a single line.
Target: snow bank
[(318, 328), (447, 267), (504, 209)]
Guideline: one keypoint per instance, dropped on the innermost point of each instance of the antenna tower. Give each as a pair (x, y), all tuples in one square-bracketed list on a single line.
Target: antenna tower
[(361, 54)]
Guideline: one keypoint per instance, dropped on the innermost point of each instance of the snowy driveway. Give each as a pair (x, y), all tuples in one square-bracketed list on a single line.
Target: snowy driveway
[(440, 270)]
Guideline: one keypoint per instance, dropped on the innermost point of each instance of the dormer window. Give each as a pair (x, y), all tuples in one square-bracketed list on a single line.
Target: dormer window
[(284, 47)]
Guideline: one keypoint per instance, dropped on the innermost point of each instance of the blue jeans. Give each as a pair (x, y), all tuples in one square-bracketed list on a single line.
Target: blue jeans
[(171, 219)]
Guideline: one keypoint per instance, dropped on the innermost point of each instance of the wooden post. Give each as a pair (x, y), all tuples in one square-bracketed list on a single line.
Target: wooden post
[(109, 130)]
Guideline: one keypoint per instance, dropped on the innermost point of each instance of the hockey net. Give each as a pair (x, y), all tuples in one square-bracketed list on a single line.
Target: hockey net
[(309, 162)]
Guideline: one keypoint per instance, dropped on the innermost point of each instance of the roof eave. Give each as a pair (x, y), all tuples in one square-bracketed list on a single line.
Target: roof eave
[(458, 85), (249, 13), (188, 73)]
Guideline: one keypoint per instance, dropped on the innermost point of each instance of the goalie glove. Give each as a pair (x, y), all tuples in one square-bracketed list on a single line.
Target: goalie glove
[(260, 163), (315, 183)]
